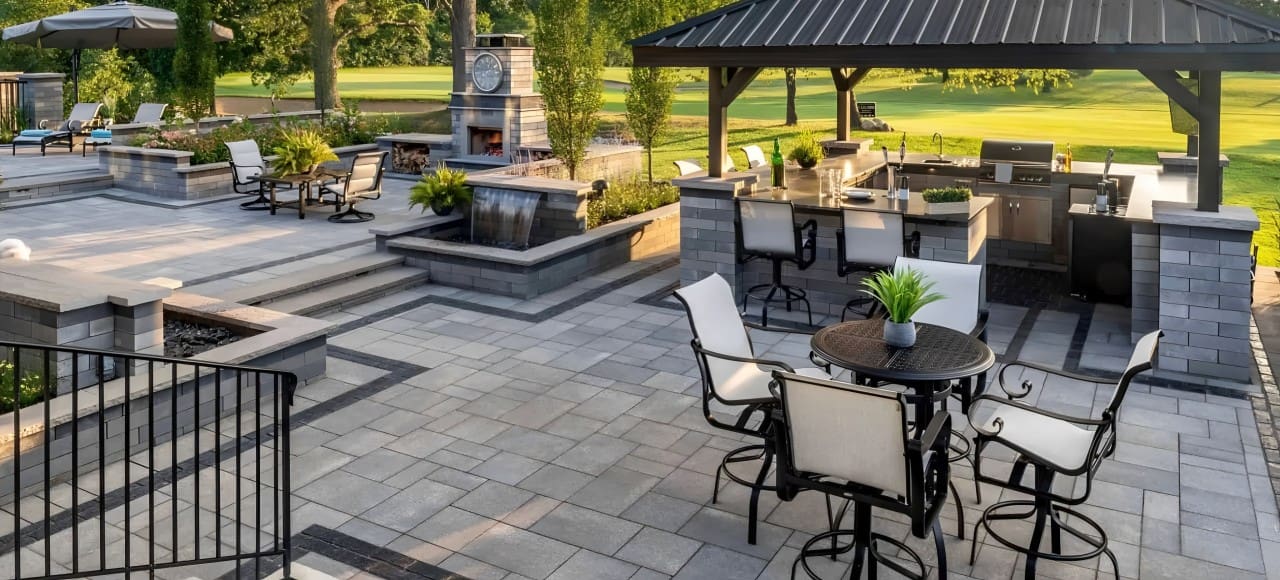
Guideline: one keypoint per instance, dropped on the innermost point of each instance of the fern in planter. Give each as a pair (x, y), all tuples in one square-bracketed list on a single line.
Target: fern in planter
[(441, 190), (806, 150), (301, 151)]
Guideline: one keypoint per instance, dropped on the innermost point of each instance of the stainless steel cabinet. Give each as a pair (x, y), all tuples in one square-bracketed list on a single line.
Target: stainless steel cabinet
[(1027, 219)]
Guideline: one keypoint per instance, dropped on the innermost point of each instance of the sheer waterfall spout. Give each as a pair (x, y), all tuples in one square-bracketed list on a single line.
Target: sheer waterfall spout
[(502, 217)]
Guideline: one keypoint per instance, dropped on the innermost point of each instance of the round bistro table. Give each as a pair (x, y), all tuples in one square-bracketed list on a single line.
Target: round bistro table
[(940, 355)]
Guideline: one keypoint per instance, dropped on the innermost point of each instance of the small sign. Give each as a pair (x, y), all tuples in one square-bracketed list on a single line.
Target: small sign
[(866, 108)]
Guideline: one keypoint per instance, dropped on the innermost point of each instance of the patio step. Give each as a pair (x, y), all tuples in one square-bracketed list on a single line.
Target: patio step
[(310, 279), (16, 189), (350, 292)]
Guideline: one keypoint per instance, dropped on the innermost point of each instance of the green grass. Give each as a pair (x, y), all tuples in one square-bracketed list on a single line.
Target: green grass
[(1118, 109)]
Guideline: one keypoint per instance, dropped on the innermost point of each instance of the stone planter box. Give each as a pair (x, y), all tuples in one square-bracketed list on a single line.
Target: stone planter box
[(529, 273), (276, 341), (169, 173)]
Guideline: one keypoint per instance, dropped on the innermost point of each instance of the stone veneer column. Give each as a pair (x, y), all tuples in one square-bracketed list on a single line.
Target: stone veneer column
[(43, 97), (1145, 282), (707, 243), (1205, 290)]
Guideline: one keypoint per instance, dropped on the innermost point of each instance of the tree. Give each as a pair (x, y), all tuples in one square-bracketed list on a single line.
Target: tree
[(569, 65), (792, 118), (195, 62), (463, 34), (332, 22), (649, 106)]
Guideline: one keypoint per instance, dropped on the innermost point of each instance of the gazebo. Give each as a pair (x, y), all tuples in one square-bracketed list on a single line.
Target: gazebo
[(850, 37)]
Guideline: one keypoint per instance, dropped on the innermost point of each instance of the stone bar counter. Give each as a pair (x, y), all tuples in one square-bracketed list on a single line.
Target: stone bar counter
[(708, 241)]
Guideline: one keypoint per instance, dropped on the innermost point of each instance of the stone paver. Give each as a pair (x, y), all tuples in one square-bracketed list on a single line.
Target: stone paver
[(573, 446)]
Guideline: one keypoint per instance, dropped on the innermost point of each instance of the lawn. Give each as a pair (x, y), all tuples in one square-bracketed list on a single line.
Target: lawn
[(1105, 109)]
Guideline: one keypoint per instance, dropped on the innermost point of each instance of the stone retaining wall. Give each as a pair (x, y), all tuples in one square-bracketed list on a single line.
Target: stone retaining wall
[(168, 173)]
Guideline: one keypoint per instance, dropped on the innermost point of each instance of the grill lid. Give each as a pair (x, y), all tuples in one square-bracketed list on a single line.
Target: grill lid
[(1019, 153)]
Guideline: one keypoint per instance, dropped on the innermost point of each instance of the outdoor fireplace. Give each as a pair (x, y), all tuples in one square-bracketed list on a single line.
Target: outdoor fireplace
[(486, 141)]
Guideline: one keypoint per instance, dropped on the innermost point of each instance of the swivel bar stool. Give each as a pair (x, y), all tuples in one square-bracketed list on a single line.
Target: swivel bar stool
[(766, 229)]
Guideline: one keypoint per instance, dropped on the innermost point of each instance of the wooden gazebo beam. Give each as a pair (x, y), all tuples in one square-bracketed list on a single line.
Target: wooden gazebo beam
[(1205, 104), (845, 80), (726, 83)]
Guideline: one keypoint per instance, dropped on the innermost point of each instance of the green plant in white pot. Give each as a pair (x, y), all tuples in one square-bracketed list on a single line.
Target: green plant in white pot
[(902, 293)]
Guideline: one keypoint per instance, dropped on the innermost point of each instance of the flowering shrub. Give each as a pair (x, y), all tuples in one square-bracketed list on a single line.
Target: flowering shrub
[(628, 198), (30, 389), (338, 130)]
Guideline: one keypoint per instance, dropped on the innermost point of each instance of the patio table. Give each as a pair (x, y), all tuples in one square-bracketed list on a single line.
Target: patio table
[(940, 355), (303, 182)]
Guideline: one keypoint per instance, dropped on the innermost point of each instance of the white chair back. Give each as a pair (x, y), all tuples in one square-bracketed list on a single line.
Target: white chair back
[(81, 114), (728, 164), (845, 431), (687, 167), (246, 160), (755, 156), (960, 286), (150, 113), (717, 325), (1143, 357), (872, 238), (366, 175), (768, 227)]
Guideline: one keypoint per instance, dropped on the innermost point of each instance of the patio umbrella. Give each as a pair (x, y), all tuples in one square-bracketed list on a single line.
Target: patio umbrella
[(120, 24)]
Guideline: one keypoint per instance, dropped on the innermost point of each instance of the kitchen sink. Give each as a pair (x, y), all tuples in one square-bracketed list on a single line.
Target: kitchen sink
[(940, 161)]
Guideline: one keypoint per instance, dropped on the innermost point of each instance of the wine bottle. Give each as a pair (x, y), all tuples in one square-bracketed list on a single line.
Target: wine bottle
[(777, 166)]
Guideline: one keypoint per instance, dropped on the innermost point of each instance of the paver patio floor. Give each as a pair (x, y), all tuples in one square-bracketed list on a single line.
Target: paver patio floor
[(562, 438)]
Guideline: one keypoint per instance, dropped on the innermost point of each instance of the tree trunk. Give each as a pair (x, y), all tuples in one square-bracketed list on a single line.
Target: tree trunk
[(855, 119), (324, 53), (792, 118), (649, 151), (463, 26)]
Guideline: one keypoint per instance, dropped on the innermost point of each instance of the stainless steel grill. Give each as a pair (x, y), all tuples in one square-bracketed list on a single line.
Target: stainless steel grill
[(1032, 161)]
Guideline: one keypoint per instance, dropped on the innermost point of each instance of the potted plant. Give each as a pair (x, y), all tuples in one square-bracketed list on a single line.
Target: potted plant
[(943, 200), (441, 190), (902, 293), (301, 152), (806, 150)]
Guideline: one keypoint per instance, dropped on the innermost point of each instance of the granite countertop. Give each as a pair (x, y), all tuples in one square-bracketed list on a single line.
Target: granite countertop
[(913, 207)]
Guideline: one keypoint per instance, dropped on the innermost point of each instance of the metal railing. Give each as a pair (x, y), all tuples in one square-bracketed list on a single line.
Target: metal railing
[(175, 425), (14, 113)]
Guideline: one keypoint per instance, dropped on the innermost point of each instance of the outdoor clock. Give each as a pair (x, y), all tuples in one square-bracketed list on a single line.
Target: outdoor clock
[(486, 72)]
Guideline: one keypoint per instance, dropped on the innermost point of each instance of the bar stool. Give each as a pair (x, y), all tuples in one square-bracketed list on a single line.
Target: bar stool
[(869, 242), (1052, 444), (766, 229)]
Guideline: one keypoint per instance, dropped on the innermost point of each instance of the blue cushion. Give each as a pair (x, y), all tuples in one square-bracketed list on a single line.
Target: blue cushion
[(36, 132), (100, 134)]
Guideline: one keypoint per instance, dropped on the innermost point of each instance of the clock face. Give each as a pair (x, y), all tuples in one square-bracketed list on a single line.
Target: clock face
[(486, 72)]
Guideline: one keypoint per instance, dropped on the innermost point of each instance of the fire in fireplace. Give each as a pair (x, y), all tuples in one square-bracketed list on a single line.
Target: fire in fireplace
[(486, 141)]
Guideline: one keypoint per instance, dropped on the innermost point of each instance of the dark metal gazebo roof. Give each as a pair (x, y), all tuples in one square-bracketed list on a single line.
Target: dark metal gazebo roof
[(1077, 34)]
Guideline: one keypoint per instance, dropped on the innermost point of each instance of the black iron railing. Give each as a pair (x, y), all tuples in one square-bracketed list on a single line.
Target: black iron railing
[(13, 108), (118, 463)]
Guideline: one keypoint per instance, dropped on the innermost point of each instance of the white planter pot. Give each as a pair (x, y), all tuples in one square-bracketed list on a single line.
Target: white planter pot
[(899, 334)]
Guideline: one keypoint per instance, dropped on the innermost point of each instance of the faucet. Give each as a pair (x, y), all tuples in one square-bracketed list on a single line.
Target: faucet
[(937, 138)]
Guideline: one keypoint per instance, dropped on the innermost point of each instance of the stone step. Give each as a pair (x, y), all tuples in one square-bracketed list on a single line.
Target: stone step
[(350, 292), (309, 279), (41, 186)]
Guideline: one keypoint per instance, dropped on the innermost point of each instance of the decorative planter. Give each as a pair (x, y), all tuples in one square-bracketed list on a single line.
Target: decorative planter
[(441, 209), (899, 334), (950, 207)]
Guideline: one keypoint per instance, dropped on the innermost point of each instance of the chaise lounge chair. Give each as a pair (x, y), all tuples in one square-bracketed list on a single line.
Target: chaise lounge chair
[(82, 117), (147, 114)]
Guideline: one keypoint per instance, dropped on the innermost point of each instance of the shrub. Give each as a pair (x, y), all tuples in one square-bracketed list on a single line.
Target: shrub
[(629, 198), (337, 130), (806, 150), (946, 194), (30, 391)]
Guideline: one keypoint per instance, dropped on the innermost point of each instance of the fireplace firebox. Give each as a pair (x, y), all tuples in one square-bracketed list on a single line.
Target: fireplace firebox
[(486, 141)]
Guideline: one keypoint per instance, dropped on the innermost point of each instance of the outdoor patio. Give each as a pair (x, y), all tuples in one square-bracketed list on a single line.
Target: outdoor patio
[(563, 438)]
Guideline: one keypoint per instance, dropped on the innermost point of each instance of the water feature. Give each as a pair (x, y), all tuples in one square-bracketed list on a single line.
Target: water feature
[(503, 217)]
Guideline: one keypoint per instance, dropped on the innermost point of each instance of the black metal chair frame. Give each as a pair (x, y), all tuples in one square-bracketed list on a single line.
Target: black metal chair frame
[(806, 244), (927, 494), (250, 187), (742, 423), (910, 247), (353, 215), (1046, 504)]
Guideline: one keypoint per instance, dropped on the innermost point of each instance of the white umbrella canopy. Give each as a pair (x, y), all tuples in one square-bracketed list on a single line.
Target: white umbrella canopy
[(120, 24)]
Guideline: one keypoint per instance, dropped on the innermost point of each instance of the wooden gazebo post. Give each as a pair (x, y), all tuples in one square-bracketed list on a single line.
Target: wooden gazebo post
[(726, 83)]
